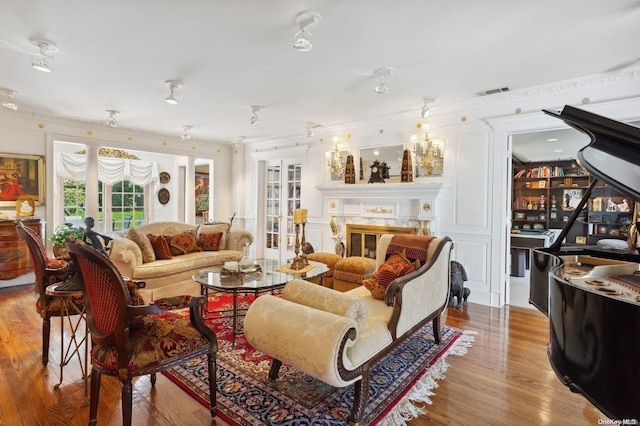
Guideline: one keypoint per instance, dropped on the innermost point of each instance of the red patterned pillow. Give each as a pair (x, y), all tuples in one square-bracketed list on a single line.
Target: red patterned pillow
[(160, 246), (183, 243), (210, 241), (396, 266)]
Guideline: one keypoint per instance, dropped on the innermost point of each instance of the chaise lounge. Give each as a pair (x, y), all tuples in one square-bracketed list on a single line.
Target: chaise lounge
[(337, 337)]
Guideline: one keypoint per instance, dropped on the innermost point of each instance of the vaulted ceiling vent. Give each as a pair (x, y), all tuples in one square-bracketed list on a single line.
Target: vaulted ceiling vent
[(493, 91)]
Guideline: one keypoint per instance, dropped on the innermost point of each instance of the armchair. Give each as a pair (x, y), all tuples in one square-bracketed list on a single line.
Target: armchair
[(337, 337), (131, 340), (47, 271)]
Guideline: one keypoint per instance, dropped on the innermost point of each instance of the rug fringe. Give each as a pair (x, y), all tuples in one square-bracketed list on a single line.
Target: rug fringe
[(422, 390)]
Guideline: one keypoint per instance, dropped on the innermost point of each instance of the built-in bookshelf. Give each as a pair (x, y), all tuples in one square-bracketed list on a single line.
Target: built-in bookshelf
[(545, 195)]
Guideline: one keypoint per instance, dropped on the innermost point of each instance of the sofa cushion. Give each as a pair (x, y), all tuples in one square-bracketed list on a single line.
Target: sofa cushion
[(210, 241), (160, 246), (414, 246), (212, 228), (183, 243), (395, 266), (148, 255)]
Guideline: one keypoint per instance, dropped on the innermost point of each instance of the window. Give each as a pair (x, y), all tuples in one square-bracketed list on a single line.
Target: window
[(127, 205), (74, 202)]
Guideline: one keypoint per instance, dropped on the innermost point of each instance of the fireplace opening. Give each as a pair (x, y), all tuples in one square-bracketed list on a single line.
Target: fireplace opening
[(362, 240)]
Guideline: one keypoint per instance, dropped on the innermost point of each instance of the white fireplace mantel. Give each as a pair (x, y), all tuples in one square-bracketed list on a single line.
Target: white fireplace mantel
[(413, 201), (381, 191)]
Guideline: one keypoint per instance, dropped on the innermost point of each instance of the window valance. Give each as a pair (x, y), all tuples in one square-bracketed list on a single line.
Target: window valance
[(110, 170)]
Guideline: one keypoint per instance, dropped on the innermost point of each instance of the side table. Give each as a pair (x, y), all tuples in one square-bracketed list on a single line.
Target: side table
[(69, 309)]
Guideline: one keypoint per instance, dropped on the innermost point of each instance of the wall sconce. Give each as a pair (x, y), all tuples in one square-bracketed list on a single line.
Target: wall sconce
[(336, 163), (429, 156)]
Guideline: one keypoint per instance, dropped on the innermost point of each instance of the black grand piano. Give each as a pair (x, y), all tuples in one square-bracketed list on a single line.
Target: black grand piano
[(591, 294)]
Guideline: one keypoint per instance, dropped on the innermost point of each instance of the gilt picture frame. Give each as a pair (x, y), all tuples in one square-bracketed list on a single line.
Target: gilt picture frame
[(21, 175)]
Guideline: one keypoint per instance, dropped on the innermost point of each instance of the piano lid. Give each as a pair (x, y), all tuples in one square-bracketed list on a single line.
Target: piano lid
[(613, 155)]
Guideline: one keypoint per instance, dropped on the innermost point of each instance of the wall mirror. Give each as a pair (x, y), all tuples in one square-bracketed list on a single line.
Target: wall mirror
[(390, 154)]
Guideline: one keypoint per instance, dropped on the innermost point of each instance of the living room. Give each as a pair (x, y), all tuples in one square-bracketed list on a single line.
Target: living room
[(471, 204)]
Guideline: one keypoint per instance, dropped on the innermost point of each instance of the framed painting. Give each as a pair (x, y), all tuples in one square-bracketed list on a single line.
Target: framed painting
[(20, 176), (202, 193)]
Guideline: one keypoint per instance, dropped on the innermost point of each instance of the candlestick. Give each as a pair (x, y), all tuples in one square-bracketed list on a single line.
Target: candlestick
[(304, 215), (297, 216)]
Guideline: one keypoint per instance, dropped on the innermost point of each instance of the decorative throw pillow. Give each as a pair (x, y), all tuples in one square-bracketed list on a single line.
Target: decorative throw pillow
[(210, 228), (183, 243), (210, 241), (396, 266), (148, 255), (135, 298), (160, 246)]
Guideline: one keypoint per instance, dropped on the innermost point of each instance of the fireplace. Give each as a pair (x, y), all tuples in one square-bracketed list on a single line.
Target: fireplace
[(362, 240)]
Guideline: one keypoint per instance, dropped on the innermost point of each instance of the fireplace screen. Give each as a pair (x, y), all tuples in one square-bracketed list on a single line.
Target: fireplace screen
[(362, 240)]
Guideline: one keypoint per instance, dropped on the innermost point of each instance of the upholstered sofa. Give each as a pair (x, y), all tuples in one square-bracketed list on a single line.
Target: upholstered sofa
[(170, 274), (336, 337)]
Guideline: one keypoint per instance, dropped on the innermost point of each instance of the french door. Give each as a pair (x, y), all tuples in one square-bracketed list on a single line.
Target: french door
[(282, 196)]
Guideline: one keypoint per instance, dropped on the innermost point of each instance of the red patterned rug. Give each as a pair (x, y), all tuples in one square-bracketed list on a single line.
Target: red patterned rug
[(245, 396)]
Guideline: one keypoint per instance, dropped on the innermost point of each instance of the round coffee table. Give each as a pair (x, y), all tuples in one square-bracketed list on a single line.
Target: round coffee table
[(240, 285)]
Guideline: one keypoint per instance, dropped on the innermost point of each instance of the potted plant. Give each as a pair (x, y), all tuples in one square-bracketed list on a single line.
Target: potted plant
[(59, 239)]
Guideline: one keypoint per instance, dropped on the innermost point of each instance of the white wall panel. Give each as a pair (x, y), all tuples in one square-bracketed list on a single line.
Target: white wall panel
[(472, 195)]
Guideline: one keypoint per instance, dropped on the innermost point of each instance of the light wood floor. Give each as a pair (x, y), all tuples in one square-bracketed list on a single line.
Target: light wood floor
[(505, 379)]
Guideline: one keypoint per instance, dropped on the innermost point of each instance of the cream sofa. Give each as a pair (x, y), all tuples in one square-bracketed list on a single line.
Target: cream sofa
[(336, 337), (133, 255)]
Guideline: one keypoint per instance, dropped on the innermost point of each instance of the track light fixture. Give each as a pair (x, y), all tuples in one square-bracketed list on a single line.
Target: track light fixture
[(310, 126), (173, 87), (302, 39), (111, 121), (426, 111), (186, 135), (381, 75), (254, 114), (7, 99), (42, 61)]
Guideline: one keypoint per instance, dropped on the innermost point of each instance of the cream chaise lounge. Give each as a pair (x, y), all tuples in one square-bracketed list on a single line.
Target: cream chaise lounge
[(336, 337)]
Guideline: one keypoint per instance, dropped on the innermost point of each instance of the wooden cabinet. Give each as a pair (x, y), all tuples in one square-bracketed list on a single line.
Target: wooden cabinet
[(15, 259), (545, 195)]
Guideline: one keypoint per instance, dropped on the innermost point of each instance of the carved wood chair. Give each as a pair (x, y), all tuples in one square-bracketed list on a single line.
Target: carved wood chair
[(131, 340), (47, 271)]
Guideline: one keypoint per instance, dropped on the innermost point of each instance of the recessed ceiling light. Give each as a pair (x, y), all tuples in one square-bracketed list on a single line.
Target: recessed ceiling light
[(553, 140), (558, 150)]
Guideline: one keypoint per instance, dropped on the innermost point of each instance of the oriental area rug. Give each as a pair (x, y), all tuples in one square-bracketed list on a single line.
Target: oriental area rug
[(246, 396)]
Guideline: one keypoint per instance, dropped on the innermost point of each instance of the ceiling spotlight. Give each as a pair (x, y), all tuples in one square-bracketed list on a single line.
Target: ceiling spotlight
[(111, 121), (173, 86), (254, 114), (426, 111), (42, 61), (186, 135), (382, 74), (302, 39), (310, 126), (7, 102)]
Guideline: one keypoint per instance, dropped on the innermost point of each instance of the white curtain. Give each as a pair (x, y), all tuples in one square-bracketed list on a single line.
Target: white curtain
[(110, 170)]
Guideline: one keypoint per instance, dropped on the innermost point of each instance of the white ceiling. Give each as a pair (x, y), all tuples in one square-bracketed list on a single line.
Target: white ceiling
[(235, 54)]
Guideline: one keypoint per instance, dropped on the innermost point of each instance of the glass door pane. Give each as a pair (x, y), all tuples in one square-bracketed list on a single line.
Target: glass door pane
[(279, 241)]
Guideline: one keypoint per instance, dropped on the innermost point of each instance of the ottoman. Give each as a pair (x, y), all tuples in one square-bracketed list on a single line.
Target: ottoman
[(328, 259), (349, 272)]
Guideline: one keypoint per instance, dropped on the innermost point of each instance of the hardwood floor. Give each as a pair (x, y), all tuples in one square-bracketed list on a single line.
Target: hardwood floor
[(504, 379)]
